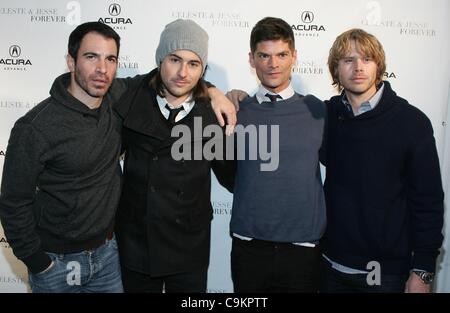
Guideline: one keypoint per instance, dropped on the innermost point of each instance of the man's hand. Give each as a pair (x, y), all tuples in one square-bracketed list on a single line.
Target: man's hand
[(416, 285), (221, 105), (236, 96)]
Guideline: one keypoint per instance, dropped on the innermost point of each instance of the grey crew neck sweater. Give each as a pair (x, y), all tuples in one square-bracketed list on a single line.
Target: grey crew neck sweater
[(287, 204)]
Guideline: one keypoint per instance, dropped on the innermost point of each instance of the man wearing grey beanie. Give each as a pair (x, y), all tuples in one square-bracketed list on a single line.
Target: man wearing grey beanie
[(164, 218), (183, 35)]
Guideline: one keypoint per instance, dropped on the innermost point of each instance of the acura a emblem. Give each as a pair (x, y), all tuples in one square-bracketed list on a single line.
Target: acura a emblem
[(14, 51), (307, 17), (114, 9)]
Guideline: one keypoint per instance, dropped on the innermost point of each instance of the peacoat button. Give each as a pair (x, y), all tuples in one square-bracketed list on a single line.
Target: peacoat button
[(178, 221), (152, 189)]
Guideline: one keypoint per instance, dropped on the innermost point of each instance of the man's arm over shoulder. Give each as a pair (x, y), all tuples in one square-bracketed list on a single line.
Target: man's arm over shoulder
[(23, 163), (122, 88), (222, 105)]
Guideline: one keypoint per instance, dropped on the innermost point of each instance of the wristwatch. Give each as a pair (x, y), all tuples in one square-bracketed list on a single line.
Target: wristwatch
[(426, 277)]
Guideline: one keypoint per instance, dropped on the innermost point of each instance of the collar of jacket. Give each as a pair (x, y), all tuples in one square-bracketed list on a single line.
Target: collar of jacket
[(388, 101), (140, 112)]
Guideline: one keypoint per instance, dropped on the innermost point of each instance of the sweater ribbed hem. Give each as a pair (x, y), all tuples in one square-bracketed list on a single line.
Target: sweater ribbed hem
[(50, 243)]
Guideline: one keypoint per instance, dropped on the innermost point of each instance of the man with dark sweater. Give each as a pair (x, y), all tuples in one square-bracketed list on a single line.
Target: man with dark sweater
[(278, 214), (61, 177), (383, 186)]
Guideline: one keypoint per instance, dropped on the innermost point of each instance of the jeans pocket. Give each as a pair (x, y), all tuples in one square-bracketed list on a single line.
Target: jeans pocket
[(52, 280), (51, 267)]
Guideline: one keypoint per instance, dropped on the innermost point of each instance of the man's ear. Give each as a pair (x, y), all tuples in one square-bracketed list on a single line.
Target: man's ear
[(70, 63), (251, 60)]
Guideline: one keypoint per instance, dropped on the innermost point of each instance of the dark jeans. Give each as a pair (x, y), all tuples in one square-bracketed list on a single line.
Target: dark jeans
[(263, 266), (135, 282), (334, 281)]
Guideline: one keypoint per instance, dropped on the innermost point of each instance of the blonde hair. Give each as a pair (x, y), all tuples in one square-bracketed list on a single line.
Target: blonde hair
[(366, 43)]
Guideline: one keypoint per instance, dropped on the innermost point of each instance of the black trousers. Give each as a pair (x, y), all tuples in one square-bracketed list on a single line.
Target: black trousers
[(263, 266), (135, 282), (334, 281)]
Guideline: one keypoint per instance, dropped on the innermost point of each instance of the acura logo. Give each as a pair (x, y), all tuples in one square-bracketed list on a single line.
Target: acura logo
[(114, 9), (14, 51), (307, 17)]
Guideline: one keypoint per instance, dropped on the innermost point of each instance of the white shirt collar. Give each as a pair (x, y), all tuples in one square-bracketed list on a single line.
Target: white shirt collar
[(284, 94), (187, 104), (367, 105)]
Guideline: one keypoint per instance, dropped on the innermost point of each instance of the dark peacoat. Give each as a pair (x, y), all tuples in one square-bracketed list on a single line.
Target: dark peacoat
[(164, 218)]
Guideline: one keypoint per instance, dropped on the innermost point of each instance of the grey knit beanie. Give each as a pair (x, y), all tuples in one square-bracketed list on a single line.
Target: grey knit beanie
[(183, 35)]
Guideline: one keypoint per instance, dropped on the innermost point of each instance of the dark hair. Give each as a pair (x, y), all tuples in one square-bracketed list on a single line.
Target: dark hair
[(199, 92), (366, 43), (271, 28), (83, 29)]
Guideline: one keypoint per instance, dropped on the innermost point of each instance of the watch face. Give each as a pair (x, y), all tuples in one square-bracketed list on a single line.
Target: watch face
[(427, 277)]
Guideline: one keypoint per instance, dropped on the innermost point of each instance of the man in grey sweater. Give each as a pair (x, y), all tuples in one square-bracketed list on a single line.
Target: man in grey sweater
[(278, 215)]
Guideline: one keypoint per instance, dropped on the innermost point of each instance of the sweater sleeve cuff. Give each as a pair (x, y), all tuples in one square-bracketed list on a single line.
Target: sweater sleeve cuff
[(424, 261), (37, 262)]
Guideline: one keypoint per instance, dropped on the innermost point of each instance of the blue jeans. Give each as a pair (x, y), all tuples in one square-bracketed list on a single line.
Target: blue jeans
[(87, 271)]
